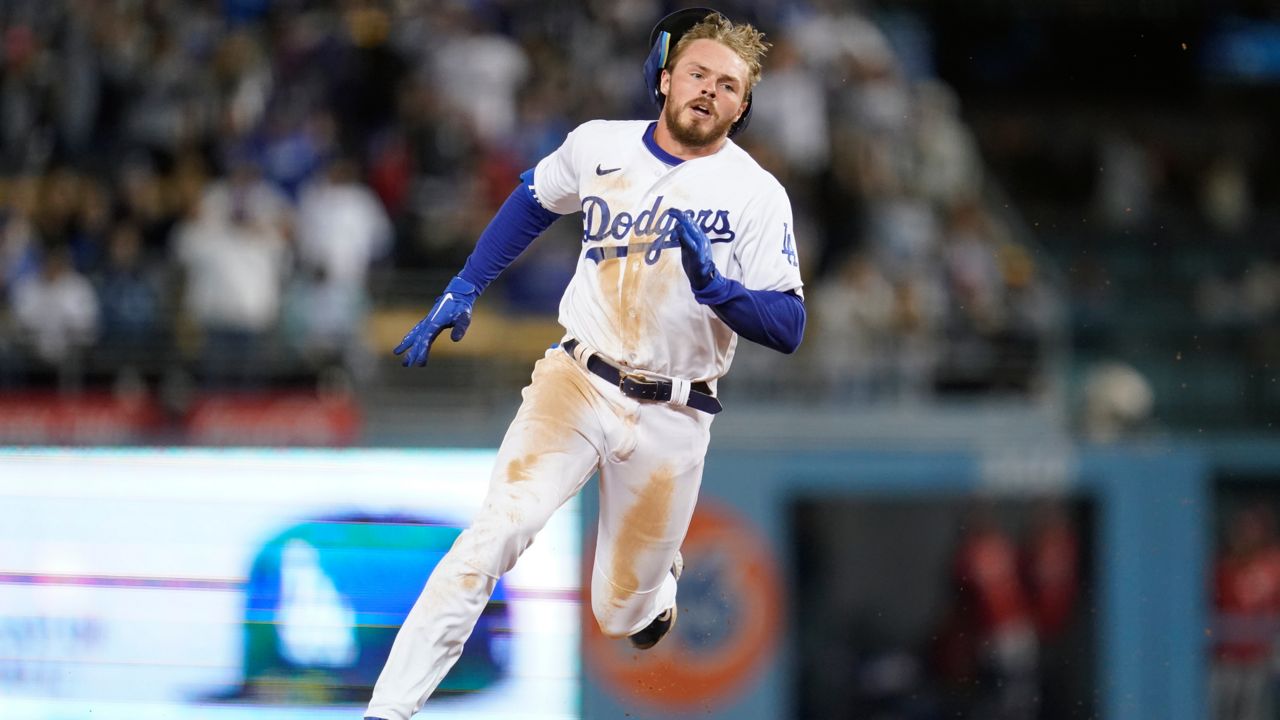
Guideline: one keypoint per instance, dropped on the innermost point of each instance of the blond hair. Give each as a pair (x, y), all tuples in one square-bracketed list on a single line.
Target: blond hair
[(743, 39)]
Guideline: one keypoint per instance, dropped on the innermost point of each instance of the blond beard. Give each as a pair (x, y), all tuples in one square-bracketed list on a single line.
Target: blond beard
[(688, 135)]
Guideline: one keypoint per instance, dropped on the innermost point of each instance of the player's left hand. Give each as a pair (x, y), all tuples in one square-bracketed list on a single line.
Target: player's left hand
[(695, 253), (452, 309)]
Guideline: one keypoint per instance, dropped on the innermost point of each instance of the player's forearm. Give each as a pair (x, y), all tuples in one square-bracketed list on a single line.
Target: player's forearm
[(520, 219), (771, 318)]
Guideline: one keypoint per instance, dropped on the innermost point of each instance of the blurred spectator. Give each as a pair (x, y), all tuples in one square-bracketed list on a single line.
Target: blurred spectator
[(853, 330), (92, 224), (70, 211), (1248, 300), (244, 196), (234, 256), (1051, 568), (921, 306), (1247, 602), (992, 605), (442, 151), (950, 169), (293, 149), (129, 292), (143, 199), (1260, 291), (342, 227), (18, 241), (903, 233), (1225, 195), (973, 270), (1052, 574), (478, 72), (368, 76), (1126, 187), (57, 316), (322, 326), (997, 315), (342, 230), (243, 78), (28, 85), (166, 107), (835, 35), (790, 108)]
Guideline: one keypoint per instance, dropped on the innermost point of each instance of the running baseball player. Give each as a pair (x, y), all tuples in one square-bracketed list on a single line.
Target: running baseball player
[(687, 245)]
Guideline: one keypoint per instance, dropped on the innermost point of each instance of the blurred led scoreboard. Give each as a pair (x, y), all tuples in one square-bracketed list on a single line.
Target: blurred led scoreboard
[(265, 584)]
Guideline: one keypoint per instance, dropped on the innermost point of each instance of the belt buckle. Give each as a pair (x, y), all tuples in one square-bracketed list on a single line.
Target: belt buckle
[(641, 387), (624, 376)]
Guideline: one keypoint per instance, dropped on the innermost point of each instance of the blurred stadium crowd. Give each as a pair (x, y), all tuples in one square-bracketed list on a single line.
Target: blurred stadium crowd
[(1161, 222), (228, 191)]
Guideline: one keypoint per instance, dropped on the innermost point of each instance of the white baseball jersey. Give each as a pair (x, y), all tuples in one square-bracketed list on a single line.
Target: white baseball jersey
[(629, 298)]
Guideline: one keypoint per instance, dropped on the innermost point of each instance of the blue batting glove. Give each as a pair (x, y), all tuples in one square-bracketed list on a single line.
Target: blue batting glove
[(695, 254), (452, 309)]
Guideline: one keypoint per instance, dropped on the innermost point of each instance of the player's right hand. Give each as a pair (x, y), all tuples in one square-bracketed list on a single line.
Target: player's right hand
[(452, 309)]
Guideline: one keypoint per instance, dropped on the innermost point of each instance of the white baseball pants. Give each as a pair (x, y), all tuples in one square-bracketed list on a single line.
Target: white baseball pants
[(570, 424)]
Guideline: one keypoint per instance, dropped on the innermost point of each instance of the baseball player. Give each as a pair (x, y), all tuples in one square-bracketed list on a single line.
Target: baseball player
[(687, 244)]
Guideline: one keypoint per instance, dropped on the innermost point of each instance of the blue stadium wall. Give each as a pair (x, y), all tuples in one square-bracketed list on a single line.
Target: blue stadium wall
[(1150, 545)]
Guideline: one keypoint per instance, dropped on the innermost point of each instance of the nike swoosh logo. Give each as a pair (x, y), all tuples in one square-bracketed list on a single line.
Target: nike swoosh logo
[(447, 297), (606, 171)]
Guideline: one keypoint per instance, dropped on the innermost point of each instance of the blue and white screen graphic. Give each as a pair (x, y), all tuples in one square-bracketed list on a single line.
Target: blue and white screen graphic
[(149, 584)]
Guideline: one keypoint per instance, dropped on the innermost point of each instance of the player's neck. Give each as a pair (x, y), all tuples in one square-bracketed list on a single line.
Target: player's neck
[(665, 140)]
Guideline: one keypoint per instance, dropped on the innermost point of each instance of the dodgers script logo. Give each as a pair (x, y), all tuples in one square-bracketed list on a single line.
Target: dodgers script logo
[(653, 226)]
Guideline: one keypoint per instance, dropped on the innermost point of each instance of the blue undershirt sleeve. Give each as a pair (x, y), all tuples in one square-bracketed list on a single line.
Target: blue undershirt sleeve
[(772, 318), (520, 219)]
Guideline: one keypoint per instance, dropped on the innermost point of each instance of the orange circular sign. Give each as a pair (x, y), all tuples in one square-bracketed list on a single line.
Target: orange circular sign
[(730, 615)]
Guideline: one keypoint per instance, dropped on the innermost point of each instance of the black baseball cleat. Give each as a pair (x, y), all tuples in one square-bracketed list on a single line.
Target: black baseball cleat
[(661, 625)]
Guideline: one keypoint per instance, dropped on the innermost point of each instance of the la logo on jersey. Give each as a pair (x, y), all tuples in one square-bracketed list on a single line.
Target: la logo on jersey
[(653, 227), (789, 246)]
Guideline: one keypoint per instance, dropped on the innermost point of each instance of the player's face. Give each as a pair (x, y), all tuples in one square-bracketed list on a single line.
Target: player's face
[(706, 92)]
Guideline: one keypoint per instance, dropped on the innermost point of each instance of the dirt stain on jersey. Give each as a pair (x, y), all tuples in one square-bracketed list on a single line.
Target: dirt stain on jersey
[(643, 525), (611, 185), (610, 279), (518, 470), (631, 317), (469, 581), (556, 402), (636, 295)]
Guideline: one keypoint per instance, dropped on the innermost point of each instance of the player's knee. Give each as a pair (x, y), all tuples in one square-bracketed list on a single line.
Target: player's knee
[(493, 547)]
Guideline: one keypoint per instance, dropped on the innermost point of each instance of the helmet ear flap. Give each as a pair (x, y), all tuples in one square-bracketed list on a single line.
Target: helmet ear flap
[(662, 40), (654, 65)]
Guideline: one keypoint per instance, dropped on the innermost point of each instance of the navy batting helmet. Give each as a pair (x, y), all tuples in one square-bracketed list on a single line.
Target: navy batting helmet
[(663, 40)]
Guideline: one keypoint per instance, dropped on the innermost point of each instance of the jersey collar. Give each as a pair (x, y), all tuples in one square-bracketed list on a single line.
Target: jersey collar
[(657, 151)]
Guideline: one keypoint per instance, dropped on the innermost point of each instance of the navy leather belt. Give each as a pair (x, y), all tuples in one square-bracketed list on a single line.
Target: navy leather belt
[(643, 388)]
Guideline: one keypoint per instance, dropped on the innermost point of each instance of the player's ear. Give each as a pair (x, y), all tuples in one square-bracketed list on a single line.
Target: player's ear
[(664, 82)]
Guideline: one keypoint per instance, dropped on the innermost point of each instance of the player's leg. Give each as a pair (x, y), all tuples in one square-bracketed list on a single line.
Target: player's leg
[(646, 503), (549, 452)]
